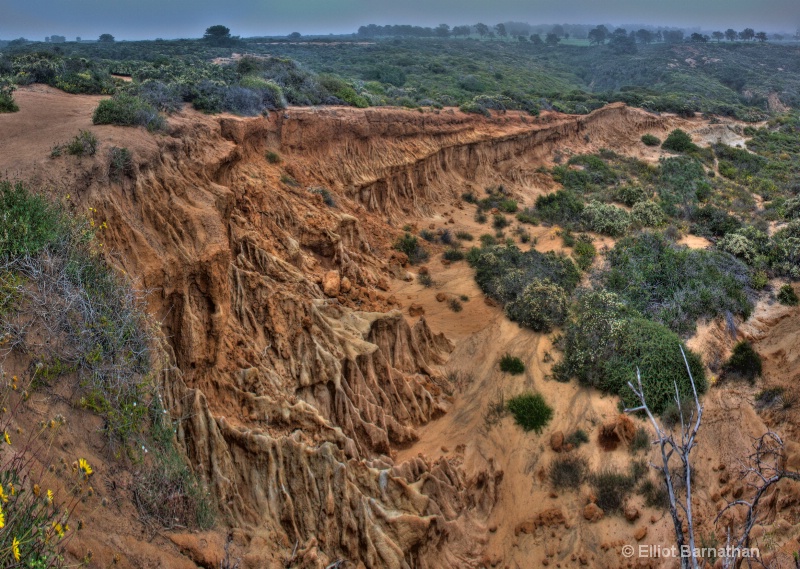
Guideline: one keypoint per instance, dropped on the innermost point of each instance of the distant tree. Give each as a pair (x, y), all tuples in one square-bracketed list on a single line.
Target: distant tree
[(731, 35), (293, 36), (777, 37), (18, 41), (552, 39), (761, 36), (659, 36), (217, 34), (697, 38), (719, 36), (558, 29), (536, 39), (106, 38), (78, 39), (673, 36), (57, 39), (522, 39), (598, 35), (747, 34), (442, 31), (482, 29), (621, 42), (644, 36), (460, 31), (501, 30)]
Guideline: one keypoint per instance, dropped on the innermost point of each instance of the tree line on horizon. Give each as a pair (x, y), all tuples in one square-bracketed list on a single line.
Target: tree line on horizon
[(597, 35)]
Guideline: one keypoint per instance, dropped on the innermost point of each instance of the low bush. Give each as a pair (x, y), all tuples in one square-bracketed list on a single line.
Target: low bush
[(676, 285), (511, 364), (584, 252), (540, 306), (273, 157), (744, 363), (453, 255), (567, 471), (787, 296), (120, 163), (409, 245), (428, 235), (630, 195), (650, 140), (327, 196), (606, 219), (561, 208), (464, 236), (679, 141), (84, 144), (166, 491), (611, 488), (530, 411), (7, 103), (29, 222), (648, 214), (655, 494), (499, 221), (128, 110), (605, 342), (577, 438), (640, 441), (425, 279), (455, 305)]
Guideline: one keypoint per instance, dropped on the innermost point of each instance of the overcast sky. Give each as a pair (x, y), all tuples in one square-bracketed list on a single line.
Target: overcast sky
[(145, 19)]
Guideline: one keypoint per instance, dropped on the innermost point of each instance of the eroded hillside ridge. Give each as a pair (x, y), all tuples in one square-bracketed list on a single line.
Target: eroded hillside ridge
[(293, 379)]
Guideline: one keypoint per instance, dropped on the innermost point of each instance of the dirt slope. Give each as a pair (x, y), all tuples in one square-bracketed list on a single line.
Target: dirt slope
[(314, 407)]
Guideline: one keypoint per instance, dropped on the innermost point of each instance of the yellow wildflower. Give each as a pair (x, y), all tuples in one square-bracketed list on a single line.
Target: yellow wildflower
[(3, 496), (11, 487), (6, 437), (49, 496), (84, 466), (2, 518), (36, 490), (59, 529), (15, 548)]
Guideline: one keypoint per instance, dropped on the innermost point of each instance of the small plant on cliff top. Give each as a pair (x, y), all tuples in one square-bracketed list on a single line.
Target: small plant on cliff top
[(530, 411), (744, 363), (787, 296), (567, 471)]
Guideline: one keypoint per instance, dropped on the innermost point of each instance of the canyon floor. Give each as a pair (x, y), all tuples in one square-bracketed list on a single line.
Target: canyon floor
[(336, 409)]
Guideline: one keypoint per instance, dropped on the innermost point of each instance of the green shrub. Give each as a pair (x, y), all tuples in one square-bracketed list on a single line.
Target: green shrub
[(28, 223), (128, 110), (650, 140), (611, 488), (562, 207), (739, 246), (409, 245), (425, 279), (503, 272), (676, 285), (744, 363), (511, 364), (464, 235), (655, 494), (606, 219), (540, 306), (499, 221), (166, 491), (567, 471), (584, 252), (7, 103), (327, 196), (487, 240), (508, 206), (528, 216), (480, 217), (630, 195), (530, 411), (428, 235), (577, 438), (648, 214), (605, 342), (455, 305), (640, 441), (84, 144), (679, 141), (120, 163), (453, 255), (787, 296), (273, 157)]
